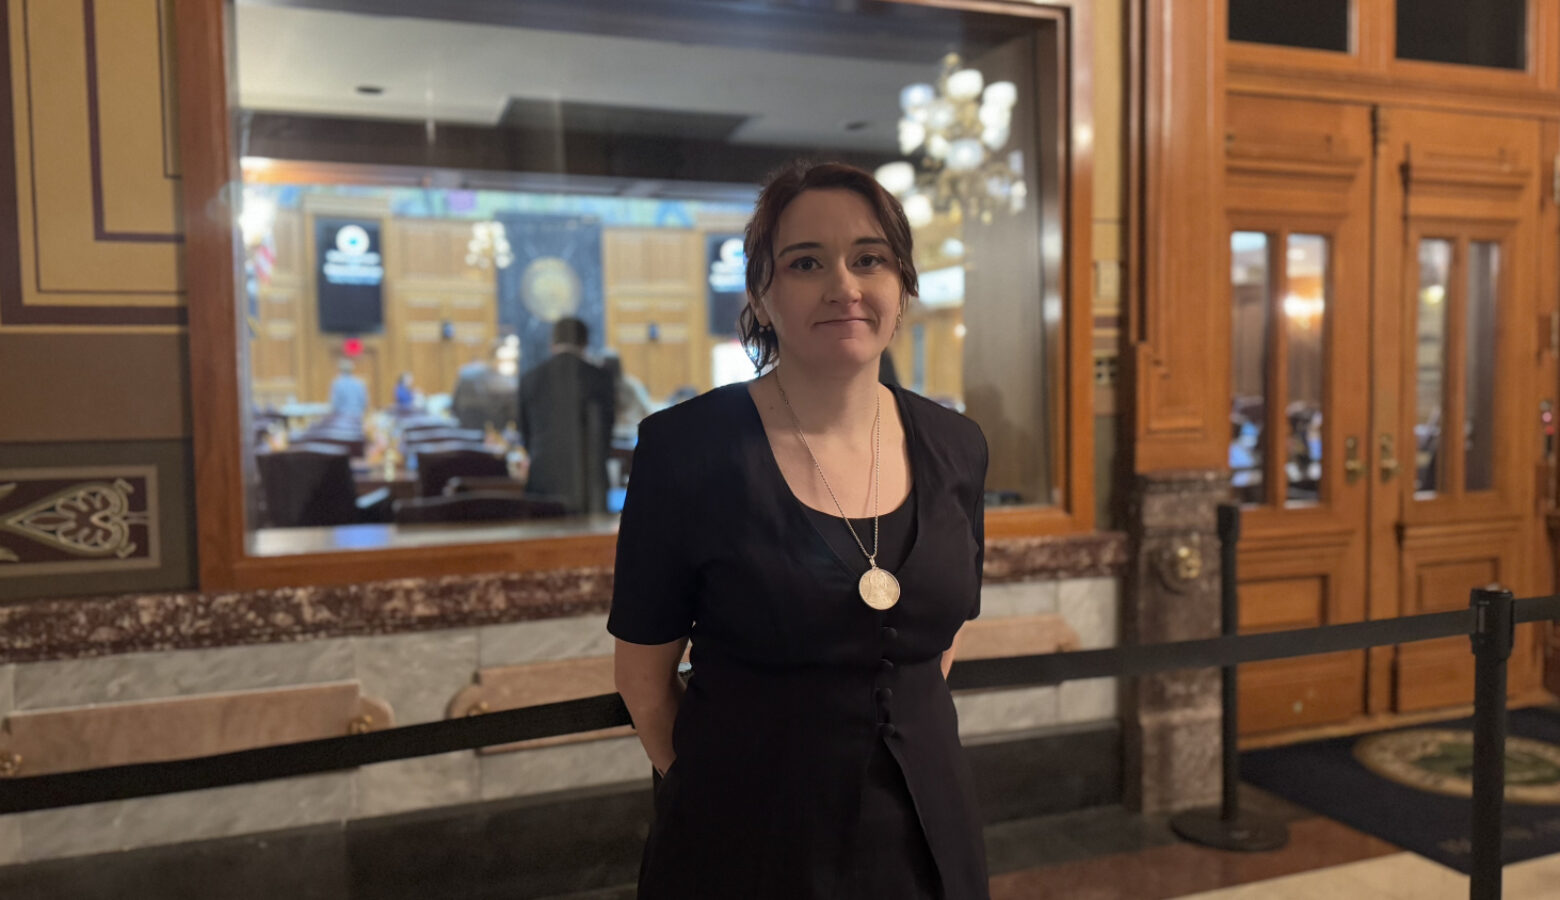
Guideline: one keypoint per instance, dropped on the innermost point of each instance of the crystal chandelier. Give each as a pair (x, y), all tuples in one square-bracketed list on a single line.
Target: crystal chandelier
[(958, 129), (489, 246)]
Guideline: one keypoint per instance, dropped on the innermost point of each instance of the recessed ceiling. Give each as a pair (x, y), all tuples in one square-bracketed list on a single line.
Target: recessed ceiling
[(312, 61)]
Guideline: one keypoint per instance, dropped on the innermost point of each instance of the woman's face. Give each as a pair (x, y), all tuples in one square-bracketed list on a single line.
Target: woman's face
[(836, 294)]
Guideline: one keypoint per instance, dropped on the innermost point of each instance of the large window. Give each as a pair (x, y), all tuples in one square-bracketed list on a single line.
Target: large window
[(439, 200)]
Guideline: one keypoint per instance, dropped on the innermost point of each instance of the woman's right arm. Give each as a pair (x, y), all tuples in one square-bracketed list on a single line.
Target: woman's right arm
[(646, 677)]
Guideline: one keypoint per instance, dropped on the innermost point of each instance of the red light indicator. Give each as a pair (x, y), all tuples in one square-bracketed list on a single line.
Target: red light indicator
[(352, 347)]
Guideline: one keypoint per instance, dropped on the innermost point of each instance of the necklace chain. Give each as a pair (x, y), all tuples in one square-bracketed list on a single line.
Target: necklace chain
[(877, 442)]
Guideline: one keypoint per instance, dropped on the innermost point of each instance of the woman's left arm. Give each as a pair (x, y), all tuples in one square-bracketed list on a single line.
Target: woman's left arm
[(947, 655)]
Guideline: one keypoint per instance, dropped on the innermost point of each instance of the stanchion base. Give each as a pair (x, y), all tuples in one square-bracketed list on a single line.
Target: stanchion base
[(1245, 832)]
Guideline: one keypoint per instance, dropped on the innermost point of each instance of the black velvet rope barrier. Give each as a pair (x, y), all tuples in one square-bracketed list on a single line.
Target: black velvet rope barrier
[(25, 794)]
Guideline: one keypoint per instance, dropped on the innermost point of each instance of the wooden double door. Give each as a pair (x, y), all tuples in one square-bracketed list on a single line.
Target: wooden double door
[(1391, 353)]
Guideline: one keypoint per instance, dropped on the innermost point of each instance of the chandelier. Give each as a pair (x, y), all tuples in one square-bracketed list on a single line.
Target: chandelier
[(957, 129), (489, 246)]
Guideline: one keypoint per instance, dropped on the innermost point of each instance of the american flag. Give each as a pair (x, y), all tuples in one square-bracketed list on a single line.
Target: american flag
[(264, 258)]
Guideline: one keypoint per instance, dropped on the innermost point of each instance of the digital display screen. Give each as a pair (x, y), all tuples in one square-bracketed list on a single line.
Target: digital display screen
[(350, 276)]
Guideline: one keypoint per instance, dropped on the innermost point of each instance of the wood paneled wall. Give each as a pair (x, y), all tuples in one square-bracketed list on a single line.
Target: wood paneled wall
[(1179, 327), (428, 285), (657, 311), (657, 306), (92, 295)]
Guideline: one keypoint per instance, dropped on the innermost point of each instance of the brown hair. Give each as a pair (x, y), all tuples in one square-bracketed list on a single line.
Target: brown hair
[(758, 244)]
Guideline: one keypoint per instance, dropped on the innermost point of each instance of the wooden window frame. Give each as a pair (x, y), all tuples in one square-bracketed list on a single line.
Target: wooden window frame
[(212, 181), (1371, 65)]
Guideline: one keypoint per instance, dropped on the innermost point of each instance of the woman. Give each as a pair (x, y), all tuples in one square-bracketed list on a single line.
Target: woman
[(815, 751)]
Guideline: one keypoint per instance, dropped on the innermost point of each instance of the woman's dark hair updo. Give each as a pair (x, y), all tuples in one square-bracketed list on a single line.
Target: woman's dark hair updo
[(758, 244)]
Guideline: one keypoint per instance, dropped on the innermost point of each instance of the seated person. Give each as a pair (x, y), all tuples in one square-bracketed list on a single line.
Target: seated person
[(485, 390)]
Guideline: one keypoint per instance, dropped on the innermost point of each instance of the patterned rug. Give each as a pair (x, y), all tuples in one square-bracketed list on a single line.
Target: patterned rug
[(1413, 786)]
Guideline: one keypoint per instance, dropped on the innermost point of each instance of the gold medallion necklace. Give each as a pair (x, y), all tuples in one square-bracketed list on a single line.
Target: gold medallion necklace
[(878, 588)]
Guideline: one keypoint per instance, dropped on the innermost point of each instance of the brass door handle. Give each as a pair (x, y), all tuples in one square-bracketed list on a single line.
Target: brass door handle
[(1389, 462), (1353, 466)]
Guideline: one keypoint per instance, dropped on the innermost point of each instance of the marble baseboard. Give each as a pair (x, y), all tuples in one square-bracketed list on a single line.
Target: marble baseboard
[(998, 711), (563, 767), (426, 782), (48, 629), (10, 840), (178, 818)]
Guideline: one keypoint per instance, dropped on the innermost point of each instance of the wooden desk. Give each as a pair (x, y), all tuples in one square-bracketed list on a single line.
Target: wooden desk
[(403, 485)]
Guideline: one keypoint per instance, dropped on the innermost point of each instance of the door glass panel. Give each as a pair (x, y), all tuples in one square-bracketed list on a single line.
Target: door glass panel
[(1251, 295), (1435, 267), (1479, 372), (1305, 312), (1490, 33), (1313, 24)]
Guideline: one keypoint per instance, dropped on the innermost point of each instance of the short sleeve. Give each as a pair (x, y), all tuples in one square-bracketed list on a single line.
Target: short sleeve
[(978, 522), (654, 578)]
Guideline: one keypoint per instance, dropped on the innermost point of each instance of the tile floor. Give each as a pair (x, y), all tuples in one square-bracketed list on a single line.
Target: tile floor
[(1103, 853), (1324, 860)]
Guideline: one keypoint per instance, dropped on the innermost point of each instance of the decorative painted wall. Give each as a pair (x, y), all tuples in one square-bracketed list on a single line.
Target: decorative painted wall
[(93, 409)]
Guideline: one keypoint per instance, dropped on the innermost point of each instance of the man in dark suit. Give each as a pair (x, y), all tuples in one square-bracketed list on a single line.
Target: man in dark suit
[(566, 411)]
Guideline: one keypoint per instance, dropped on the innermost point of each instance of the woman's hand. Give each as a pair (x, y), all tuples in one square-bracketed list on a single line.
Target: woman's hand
[(646, 678)]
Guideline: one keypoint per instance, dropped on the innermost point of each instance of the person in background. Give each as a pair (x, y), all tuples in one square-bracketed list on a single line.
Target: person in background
[(567, 407), (348, 393), (405, 393), (485, 389), (633, 401)]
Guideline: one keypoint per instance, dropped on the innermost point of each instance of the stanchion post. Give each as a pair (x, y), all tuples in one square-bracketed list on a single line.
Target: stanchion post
[(1227, 828), (1493, 635), (1229, 623)]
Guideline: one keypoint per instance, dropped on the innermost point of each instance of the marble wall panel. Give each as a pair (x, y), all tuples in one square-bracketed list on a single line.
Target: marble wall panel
[(148, 676), (239, 809), (992, 712), (1091, 606), (7, 690), (10, 840), (425, 782), (566, 766), (416, 673), (176, 818), (1018, 598), (546, 639), (1089, 700), (70, 831)]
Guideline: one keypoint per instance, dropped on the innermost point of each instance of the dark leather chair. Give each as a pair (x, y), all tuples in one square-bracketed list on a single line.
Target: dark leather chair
[(479, 506), (311, 485), (438, 463)]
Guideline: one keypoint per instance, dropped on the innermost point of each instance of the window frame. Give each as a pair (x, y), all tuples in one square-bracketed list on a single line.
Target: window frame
[(217, 353), (1372, 63)]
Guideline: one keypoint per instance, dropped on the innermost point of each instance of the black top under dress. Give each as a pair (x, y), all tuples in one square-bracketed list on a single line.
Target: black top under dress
[(817, 749)]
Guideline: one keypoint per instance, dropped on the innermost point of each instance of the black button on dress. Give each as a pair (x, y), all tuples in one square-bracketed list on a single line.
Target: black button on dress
[(817, 747)]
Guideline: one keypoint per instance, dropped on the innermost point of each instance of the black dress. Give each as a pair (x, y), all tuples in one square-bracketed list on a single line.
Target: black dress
[(813, 724)]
